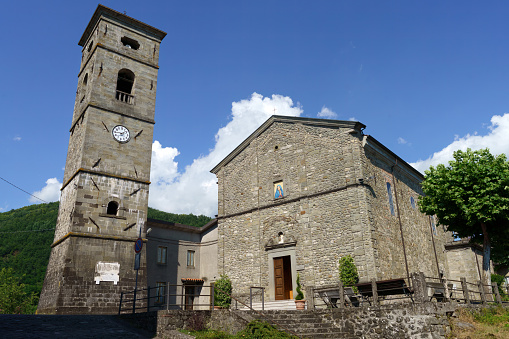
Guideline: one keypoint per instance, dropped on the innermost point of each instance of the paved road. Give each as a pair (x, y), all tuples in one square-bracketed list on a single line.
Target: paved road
[(68, 326)]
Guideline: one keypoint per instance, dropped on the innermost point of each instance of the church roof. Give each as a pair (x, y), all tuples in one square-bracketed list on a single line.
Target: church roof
[(103, 11), (287, 119)]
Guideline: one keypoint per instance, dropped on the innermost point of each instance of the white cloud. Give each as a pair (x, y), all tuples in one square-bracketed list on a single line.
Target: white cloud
[(327, 113), (497, 140), (50, 192), (401, 141), (352, 119), (194, 190), (16, 138)]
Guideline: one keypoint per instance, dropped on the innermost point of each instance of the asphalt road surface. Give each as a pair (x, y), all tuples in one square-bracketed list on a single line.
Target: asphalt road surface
[(68, 326)]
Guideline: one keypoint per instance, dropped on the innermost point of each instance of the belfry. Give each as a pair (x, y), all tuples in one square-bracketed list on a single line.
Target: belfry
[(104, 197)]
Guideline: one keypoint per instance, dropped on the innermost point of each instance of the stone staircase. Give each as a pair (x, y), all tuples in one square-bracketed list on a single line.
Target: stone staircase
[(288, 305), (283, 313), (307, 324)]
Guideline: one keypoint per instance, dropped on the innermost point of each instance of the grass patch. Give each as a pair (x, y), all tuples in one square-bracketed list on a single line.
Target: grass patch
[(490, 322)]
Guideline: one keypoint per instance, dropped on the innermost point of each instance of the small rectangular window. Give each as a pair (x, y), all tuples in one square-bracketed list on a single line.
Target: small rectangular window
[(160, 292), (190, 258), (389, 192), (433, 225), (161, 255)]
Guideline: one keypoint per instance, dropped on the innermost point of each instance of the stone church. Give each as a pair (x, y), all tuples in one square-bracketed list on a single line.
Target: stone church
[(300, 193), (294, 197)]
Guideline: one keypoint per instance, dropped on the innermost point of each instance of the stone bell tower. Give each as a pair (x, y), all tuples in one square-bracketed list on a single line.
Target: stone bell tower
[(104, 198)]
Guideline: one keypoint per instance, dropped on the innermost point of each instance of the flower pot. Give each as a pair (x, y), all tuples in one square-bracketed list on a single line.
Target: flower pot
[(300, 304)]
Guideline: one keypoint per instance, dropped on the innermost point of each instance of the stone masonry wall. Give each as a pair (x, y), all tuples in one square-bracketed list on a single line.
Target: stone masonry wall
[(309, 160), (325, 213), (92, 259), (418, 234), (463, 263)]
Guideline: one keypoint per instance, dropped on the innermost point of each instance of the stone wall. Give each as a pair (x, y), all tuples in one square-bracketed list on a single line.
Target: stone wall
[(326, 211), (405, 234), (465, 260), (428, 320)]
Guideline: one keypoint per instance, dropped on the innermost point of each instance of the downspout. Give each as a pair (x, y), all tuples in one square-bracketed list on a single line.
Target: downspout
[(433, 241), (400, 224)]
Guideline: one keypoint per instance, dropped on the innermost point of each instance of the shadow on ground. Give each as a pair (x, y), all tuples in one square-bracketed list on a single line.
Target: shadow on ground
[(73, 326)]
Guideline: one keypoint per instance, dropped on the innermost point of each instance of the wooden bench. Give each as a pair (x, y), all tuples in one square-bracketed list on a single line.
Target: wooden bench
[(385, 288), (330, 296)]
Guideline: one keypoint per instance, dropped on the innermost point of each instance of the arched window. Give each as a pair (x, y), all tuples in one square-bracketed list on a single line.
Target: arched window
[(85, 79), (112, 208), (125, 82)]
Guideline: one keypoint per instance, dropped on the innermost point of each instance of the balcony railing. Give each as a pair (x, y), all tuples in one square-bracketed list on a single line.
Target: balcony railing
[(125, 97)]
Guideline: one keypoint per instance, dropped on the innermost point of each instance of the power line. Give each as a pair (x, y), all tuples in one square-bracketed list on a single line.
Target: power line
[(45, 230), (10, 183)]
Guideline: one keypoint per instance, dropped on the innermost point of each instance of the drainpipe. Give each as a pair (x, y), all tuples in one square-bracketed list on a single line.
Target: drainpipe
[(400, 224), (433, 241)]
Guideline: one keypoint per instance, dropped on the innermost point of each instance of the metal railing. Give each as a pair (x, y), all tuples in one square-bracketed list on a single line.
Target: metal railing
[(167, 297), (255, 292), (387, 292)]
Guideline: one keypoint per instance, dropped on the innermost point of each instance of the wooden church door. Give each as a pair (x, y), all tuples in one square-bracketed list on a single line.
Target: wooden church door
[(282, 278)]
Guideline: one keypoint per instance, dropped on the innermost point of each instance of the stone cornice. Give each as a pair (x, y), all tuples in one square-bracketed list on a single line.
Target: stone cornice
[(95, 236), (105, 175), (378, 147), (283, 202), (93, 105), (103, 11)]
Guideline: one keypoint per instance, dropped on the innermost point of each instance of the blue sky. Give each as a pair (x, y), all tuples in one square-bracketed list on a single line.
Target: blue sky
[(426, 77)]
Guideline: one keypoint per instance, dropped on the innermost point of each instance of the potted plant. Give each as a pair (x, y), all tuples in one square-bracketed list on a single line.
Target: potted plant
[(300, 302), (222, 292)]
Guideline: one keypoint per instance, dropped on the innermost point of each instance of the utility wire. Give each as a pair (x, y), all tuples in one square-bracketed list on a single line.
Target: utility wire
[(10, 183), (48, 229)]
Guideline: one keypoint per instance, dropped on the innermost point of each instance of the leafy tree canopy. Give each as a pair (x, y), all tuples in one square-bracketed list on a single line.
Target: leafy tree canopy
[(474, 188), (471, 197)]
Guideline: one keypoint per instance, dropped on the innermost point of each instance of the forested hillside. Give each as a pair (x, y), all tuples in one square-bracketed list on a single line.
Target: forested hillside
[(27, 233)]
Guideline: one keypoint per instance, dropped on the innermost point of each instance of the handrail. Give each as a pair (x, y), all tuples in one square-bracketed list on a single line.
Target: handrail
[(260, 314), (251, 296)]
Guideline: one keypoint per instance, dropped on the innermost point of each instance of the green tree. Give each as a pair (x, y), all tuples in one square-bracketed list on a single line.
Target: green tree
[(13, 298), (471, 197), (223, 291), (348, 274)]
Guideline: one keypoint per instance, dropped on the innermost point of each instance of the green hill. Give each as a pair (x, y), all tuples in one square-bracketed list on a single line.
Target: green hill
[(27, 234)]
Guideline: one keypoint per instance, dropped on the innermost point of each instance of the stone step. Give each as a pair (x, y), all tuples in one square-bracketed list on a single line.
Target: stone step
[(288, 305)]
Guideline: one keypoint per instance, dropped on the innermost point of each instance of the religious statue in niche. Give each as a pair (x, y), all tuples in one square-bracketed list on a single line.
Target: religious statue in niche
[(278, 190)]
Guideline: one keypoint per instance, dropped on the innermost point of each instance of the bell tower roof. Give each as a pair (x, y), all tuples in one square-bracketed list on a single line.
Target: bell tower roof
[(105, 12)]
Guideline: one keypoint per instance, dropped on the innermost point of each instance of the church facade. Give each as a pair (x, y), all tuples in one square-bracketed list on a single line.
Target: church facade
[(300, 193)]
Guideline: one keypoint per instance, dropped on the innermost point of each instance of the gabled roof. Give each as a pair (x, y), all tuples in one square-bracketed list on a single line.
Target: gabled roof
[(286, 119), (103, 11)]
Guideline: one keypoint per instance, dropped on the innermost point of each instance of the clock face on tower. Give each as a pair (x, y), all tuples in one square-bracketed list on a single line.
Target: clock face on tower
[(120, 133)]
